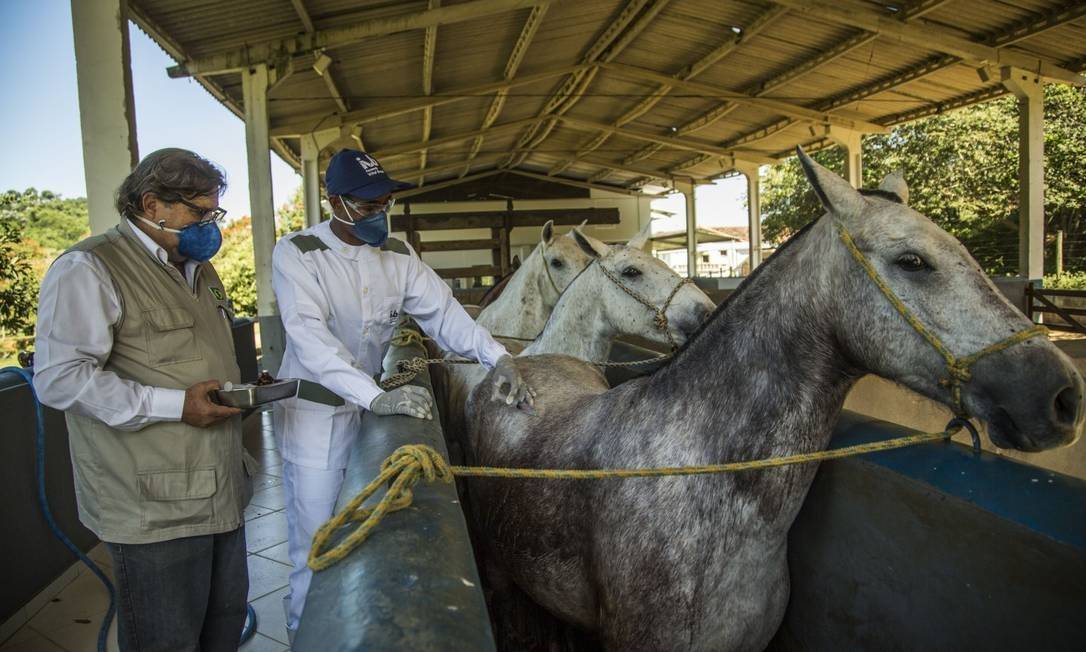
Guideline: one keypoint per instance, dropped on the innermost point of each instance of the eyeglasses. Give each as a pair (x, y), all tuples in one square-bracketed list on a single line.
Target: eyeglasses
[(369, 209), (206, 215)]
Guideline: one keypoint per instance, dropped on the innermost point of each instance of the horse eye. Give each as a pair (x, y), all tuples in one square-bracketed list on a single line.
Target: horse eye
[(631, 272), (556, 263), (911, 262)]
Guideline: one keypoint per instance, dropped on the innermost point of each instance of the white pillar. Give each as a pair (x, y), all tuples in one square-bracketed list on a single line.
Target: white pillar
[(107, 114), (254, 83), (689, 191), (1029, 90), (312, 144), (850, 141), (754, 211)]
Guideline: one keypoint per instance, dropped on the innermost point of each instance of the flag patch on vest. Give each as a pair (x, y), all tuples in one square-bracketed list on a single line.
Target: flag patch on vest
[(217, 293)]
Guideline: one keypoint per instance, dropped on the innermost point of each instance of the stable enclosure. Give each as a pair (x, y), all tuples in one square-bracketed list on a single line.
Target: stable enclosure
[(512, 114)]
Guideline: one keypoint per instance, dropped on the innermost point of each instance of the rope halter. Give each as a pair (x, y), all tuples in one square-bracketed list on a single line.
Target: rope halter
[(958, 368), (547, 268), (659, 319)]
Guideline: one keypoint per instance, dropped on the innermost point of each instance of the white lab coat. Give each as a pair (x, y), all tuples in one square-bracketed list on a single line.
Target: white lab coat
[(339, 306)]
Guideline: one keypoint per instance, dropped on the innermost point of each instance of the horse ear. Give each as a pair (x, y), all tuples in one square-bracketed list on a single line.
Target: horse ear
[(895, 183), (639, 240), (591, 246), (836, 195), (548, 232)]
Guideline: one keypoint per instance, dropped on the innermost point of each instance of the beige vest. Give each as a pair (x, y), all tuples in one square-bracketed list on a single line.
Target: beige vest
[(169, 479)]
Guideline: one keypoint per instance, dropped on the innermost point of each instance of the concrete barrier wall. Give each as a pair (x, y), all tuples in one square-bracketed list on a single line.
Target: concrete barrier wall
[(935, 548), (888, 401), (413, 585), (30, 556)]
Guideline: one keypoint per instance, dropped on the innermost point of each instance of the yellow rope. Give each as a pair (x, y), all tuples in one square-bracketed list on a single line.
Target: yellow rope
[(407, 337), (410, 463), (957, 368)]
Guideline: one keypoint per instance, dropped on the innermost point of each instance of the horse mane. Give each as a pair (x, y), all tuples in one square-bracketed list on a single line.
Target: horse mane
[(742, 289)]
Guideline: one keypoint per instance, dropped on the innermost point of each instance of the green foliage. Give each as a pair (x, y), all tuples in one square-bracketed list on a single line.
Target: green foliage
[(34, 227), (18, 286), (962, 171), (1066, 281), (235, 263)]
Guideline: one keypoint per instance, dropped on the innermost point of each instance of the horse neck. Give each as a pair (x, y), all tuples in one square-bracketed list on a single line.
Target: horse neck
[(525, 304), (577, 325), (770, 359)]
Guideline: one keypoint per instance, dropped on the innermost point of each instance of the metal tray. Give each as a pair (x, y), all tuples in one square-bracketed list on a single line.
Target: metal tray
[(250, 396)]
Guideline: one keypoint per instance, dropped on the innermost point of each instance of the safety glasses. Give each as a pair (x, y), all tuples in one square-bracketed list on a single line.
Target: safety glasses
[(369, 209), (206, 215)]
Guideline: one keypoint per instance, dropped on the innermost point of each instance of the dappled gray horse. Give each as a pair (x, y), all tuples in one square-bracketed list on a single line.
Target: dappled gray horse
[(699, 563)]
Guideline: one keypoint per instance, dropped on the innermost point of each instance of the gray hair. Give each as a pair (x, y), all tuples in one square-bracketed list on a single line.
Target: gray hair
[(170, 174)]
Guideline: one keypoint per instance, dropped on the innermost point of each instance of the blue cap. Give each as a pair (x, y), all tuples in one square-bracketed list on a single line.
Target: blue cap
[(357, 174)]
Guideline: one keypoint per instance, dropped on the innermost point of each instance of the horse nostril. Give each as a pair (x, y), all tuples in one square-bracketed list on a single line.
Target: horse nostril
[(1067, 405)]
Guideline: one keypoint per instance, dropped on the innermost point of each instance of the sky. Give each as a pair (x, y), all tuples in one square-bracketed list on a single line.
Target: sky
[(39, 115), (39, 119)]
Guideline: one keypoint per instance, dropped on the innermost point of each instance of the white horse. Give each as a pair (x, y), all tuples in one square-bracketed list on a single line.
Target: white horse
[(700, 563)]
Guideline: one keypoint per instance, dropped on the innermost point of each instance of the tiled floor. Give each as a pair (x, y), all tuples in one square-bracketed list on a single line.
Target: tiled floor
[(70, 621)]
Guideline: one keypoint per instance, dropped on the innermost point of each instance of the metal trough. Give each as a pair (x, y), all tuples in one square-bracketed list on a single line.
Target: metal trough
[(413, 585)]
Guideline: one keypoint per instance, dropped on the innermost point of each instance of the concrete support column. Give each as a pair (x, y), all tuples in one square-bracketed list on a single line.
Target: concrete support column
[(107, 114), (689, 191), (262, 208), (1029, 90), (312, 145), (850, 141), (754, 211)]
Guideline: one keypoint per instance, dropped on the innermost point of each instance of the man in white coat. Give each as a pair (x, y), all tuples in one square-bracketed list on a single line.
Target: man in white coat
[(341, 286)]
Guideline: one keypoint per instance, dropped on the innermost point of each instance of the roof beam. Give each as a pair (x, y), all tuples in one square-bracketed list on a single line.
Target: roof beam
[(920, 8), (679, 143), (1000, 38), (636, 15), (429, 48), (323, 64), (686, 74), (267, 51), (576, 183), (777, 106), (407, 194), (382, 111), (444, 168), (516, 56), (928, 36), (411, 148)]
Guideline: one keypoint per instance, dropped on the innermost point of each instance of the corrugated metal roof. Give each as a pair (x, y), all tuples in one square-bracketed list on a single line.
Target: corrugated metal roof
[(761, 49)]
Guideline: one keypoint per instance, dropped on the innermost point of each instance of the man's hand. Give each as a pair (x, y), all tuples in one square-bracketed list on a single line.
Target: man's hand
[(408, 400), (199, 411), (506, 373)]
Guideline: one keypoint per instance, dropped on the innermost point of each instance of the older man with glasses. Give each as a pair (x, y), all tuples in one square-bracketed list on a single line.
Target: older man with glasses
[(134, 332), (341, 286)]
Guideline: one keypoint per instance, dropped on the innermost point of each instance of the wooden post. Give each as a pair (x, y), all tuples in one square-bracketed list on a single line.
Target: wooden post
[(413, 236), (503, 243), (1059, 251)]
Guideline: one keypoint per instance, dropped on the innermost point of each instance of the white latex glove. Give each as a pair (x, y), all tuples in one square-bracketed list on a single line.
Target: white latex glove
[(408, 400), (506, 373)]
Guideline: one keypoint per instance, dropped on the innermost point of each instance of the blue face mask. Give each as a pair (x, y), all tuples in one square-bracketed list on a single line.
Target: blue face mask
[(197, 241), (372, 230)]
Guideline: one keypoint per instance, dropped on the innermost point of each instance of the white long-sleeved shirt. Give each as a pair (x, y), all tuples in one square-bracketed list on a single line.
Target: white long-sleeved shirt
[(340, 303), (78, 307)]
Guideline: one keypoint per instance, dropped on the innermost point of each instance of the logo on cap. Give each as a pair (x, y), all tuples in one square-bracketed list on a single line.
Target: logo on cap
[(369, 165)]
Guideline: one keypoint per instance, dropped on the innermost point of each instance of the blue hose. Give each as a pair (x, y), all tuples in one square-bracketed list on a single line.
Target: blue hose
[(103, 632), (43, 502)]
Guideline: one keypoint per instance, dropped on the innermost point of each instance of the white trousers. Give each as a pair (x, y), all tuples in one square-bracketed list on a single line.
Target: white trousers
[(310, 500)]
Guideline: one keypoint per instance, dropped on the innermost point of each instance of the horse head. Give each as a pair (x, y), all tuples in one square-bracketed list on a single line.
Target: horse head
[(562, 260), (914, 307), (638, 294)]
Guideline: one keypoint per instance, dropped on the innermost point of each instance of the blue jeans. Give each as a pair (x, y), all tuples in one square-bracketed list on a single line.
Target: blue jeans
[(183, 594)]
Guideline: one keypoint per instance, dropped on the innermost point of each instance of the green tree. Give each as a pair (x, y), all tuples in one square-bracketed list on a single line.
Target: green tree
[(962, 171), (235, 263), (18, 286)]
